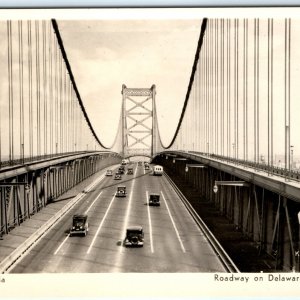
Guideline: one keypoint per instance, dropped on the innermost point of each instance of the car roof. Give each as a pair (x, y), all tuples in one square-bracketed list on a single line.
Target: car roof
[(135, 227), (121, 186), (154, 194), (79, 216)]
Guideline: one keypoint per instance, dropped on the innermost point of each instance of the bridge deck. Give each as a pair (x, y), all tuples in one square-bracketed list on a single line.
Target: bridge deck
[(173, 242)]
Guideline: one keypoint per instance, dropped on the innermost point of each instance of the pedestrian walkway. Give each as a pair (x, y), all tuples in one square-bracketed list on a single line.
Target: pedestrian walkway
[(17, 236)]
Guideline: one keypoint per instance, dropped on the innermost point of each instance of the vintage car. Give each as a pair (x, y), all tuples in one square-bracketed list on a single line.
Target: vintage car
[(123, 162), (158, 170), (130, 171), (121, 170), (79, 225), (118, 176), (109, 173), (121, 191), (134, 236), (140, 163), (147, 167), (154, 199)]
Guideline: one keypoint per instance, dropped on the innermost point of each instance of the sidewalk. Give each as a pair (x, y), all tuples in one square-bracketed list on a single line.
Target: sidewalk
[(20, 233)]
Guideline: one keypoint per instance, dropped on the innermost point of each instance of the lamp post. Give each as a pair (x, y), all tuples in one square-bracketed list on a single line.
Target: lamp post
[(233, 150), (22, 145), (292, 157)]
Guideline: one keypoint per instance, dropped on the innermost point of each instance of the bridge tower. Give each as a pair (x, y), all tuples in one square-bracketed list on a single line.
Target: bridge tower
[(138, 121)]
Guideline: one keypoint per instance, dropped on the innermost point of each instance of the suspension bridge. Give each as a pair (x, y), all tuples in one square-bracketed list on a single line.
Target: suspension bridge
[(235, 150)]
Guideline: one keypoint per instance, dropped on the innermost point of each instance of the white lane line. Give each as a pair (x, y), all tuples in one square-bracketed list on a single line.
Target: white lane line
[(101, 224), (61, 244), (174, 225), (125, 224), (93, 203), (150, 224)]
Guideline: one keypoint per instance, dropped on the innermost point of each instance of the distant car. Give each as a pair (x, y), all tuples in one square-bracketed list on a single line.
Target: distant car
[(130, 171), (123, 162), (158, 170), (109, 173), (134, 236), (147, 167), (121, 191), (140, 163), (118, 176), (121, 170), (79, 225), (154, 199)]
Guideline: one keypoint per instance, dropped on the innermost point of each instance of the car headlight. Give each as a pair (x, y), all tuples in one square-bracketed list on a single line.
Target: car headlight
[(81, 227), (73, 227)]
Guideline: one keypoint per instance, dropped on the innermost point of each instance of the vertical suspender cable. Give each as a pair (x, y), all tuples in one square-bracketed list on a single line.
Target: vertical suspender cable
[(65, 117), (11, 95), (269, 94), (30, 129), (200, 102), (244, 90), (229, 88), (45, 88), (254, 92), (60, 105), (50, 92), (56, 99), (223, 87), (206, 92), (37, 55), (21, 81), (257, 91), (287, 93), (9, 81), (235, 88), (217, 87), (246, 94), (211, 106), (271, 113)]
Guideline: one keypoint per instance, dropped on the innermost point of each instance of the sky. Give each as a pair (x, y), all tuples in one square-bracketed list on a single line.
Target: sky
[(109, 49), (104, 54)]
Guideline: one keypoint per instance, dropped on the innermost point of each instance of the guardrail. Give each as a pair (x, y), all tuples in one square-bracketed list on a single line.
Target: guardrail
[(20, 251), (221, 253)]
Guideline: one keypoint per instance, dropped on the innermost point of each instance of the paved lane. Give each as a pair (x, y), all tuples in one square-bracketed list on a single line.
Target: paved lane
[(173, 242)]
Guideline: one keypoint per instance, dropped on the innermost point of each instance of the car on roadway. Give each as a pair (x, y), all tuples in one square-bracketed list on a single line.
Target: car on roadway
[(130, 171), (121, 170), (109, 173), (123, 162), (134, 236), (121, 191), (158, 170), (118, 176), (140, 163), (79, 225), (147, 167), (154, 199)]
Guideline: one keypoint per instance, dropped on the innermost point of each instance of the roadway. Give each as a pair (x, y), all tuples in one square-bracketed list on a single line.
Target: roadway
[(172, 243)]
